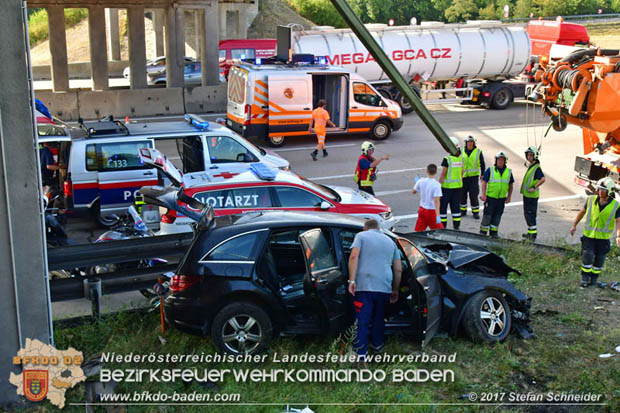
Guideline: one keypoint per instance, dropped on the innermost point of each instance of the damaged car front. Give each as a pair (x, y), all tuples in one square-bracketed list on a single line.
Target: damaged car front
[(477, 294)]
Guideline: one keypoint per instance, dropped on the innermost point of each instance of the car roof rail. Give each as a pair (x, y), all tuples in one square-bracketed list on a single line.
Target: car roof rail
[(106, 126)]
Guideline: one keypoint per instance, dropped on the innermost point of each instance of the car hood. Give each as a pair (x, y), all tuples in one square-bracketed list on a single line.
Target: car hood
[(274, 160), (355, 196), (468, 258)]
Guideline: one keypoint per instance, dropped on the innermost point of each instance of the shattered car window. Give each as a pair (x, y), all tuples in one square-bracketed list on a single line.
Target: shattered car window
[(414, 256)]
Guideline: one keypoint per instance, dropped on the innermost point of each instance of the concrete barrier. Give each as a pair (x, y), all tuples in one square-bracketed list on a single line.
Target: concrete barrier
[(126, 102), (80, 70), (63, 105), (154, 101), (201, 99)]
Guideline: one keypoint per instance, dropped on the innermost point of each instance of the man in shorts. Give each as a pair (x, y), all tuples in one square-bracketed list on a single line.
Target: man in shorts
[(430, 195), (320, 119)]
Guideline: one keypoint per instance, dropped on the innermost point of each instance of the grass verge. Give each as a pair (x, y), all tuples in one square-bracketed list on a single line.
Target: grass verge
[(573, 326), (38, 27)]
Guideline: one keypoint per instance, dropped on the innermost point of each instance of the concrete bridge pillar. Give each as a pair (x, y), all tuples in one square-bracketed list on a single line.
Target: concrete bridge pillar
[(137, 48), (98, 53), (175, 47), (209, 44), (113, 34), (58, 48), (158, 28)]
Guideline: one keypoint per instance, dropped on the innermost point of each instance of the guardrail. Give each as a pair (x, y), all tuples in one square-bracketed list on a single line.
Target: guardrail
[(578, 18)]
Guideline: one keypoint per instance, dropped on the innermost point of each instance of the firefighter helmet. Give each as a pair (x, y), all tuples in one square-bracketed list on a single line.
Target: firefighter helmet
[(533, 150), (455, 141), (469, 138), (366, 146), (501, 154), (606, 184)]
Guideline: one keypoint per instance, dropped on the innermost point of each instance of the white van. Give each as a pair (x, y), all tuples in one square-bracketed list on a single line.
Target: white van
[(275, 101), (105, 172)]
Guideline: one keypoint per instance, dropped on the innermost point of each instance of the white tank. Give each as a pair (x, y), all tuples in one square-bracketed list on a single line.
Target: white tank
[(434, 52)]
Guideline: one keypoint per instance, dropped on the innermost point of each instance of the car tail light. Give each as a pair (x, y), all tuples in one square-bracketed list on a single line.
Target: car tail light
[(168, 218), (247, 114), (67, 188), (181, 282), (486, 94)]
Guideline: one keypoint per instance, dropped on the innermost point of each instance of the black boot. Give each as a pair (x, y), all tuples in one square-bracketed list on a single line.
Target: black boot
[(314, 154), (324, 153), (585, 280), (476, 215)]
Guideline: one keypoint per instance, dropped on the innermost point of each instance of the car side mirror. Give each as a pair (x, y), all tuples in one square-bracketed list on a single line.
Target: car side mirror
[(325, 206), (436, 268)]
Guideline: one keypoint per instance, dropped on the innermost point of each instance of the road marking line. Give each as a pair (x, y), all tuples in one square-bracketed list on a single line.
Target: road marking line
[(305, 148), (540, 201), (320, 178)]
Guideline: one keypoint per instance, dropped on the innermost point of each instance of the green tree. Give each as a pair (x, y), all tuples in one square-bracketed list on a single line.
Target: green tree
[(462, 10), (489, 12), (321, 12), (523, 8)]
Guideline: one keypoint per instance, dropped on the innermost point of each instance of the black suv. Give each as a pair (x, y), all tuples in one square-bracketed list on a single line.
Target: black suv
[(249, 277)]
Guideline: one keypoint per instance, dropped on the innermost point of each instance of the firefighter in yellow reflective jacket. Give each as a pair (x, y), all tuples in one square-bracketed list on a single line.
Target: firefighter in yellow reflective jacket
[(451, 181), (602, 211), (497, 184), (532, 181), (366, 169), (473, 169)]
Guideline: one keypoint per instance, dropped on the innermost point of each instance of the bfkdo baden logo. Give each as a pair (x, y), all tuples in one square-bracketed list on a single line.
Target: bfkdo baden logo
[(35, 384), (47, 372)]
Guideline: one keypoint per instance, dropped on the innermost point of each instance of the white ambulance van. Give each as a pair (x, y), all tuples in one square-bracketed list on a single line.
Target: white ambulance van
[(274, 101)]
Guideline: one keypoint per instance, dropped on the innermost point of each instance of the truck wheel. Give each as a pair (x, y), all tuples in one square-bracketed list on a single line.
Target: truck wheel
[(241, 328), (501, 99), (275, 141), (381, 130), (385, 92), (403, 102), (487, 317)]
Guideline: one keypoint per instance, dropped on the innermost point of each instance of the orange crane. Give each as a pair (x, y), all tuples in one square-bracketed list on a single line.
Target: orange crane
[(583, 89)]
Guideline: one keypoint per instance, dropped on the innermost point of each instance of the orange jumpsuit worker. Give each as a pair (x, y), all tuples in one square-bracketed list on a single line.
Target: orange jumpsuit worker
[(320, 118)]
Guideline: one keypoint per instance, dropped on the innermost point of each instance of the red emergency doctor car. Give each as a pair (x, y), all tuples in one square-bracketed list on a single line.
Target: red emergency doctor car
[(259, 187)]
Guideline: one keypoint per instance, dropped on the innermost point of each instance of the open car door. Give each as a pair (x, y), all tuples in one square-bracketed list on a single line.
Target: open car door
[(290, 104), (427, 307), (324, 282)]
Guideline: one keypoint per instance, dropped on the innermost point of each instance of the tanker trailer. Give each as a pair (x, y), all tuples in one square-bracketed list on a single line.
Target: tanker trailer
[(477, 58)]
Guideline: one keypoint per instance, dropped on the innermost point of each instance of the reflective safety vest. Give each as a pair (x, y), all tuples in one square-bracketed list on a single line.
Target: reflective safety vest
[(453, 177), (363, 176), (498, 184), (530, 182), (600, 224), (472, 163)]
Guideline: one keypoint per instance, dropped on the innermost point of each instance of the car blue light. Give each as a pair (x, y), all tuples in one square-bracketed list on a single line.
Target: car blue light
[(263, 171), (197, 123)]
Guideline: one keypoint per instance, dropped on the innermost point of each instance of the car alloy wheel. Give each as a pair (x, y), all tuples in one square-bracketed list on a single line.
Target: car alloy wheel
[(493, 316), (487, 317), (275, 141), (241, 328), (241, 334)]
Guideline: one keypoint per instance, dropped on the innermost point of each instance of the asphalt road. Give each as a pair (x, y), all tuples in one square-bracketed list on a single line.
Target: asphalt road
[(411, 149)]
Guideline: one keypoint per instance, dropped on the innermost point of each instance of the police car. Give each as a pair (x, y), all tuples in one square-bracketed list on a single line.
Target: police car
[(259, 187), (105, 172)]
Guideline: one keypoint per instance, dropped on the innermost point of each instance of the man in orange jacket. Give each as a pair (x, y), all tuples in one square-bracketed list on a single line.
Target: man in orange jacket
[(320, 118)]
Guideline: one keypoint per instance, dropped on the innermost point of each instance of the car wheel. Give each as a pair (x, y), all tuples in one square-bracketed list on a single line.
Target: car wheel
[(381, 130), (275, 141), (501, 99), (487, 318), (241, 328)]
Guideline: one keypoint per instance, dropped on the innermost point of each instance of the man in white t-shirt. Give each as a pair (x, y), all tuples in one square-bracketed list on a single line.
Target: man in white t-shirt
[(430, 194)]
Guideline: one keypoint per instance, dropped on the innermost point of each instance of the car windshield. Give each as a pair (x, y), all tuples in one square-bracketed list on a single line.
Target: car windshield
[(325, 191), (414, 256)]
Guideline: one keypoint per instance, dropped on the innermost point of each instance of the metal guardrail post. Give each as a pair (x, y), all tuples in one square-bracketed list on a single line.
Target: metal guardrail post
[(92, 291), (388, 67)]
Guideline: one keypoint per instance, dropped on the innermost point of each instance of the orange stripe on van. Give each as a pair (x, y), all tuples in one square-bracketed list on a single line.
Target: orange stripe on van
[(356, 130), (235, 118), (291, 112), (255, 109), (260, 92), (263, 84), (261, 101), (300, 133), (279, 108)]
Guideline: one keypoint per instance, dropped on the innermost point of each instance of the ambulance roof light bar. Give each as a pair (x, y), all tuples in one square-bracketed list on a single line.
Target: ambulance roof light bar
[(263, 171), (197, 122)]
